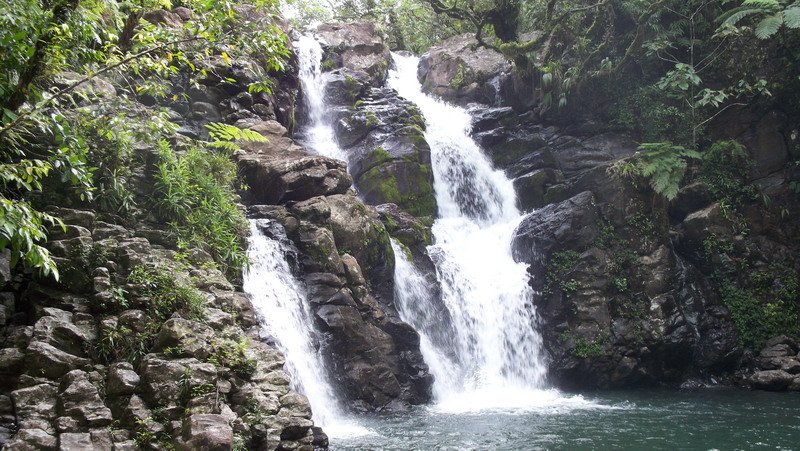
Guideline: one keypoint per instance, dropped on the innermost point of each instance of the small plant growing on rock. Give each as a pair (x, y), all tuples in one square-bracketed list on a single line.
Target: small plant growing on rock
[(166, 294), (561, 263), (230, 353), (661, 165)]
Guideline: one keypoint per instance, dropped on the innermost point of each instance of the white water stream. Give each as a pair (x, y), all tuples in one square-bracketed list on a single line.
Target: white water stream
[(490, 355), (280, 302), (318, 135)]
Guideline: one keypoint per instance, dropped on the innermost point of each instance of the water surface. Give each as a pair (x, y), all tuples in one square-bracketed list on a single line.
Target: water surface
[(711, 419)]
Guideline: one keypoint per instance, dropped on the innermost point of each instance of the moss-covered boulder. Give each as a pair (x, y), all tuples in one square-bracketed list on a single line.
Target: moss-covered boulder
[(389, 158)]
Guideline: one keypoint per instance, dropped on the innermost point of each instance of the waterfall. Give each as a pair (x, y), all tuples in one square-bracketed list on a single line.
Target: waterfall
[(318, 135), (491, 354), (279, 299)]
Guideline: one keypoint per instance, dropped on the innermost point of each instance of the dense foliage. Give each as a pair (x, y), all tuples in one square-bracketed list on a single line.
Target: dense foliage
[(51, 53)]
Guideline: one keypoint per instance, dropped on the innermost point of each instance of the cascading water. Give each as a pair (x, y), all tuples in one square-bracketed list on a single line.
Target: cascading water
[(280, 302), (491, 354), (318, 135)]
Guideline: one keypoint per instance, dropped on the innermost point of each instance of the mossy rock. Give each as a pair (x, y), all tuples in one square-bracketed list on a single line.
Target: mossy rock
[(404, 183)]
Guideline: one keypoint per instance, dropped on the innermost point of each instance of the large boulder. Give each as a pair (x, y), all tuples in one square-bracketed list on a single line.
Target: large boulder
[(388, 155), (460, 71), (294, 177), (571, 224), (80, 400), (358, 47), (771, 380)]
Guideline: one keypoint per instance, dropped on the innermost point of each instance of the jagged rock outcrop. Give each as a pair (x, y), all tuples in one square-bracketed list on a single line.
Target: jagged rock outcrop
[(388, 155), (68, 355), (619, 307), (347, 263), (635, 290), (381, 133)]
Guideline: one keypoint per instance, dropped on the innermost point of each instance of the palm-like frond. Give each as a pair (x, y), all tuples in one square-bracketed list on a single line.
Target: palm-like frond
[(769, 26)]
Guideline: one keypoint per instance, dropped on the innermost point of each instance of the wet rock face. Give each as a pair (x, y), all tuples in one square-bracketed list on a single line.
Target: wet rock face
[(618, 306), (388, 155), (458, 72), (347, 263), (382, 134)]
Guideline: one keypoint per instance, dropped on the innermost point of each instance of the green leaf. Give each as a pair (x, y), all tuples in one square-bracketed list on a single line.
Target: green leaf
[(735, 16), (769, 26), (791, 17)]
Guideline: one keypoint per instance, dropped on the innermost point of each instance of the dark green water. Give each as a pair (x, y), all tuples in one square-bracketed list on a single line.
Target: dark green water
[(710, 419)]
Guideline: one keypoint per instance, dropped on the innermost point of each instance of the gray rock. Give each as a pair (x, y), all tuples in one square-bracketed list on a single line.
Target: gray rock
[(207, 432), (68, 424), (782, 340), (43, 358), (218, 319), (771, 380), (80, 399), (532, 187), (135, 320), (70, 441), (32, 439), (136, 411), (122, 379), (191, 337), (205, 111), (295, 404), (570, 224), (83, 218), (12, 360), (358, 46), (63, 334), (38, 401), (293, 177), (101, 440), (103, 230), (159, 377), (459, 71)]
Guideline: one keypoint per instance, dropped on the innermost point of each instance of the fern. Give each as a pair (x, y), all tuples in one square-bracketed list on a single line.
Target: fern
[(763, 4), (733, 16), (224, 132), (661, 164), (791, 17), (776, 11), (769, 26)]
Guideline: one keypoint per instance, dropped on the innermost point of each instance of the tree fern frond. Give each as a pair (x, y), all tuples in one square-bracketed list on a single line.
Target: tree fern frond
[(225, 132), (791, 17), (735, 15), (772, 5), (769, 26)]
